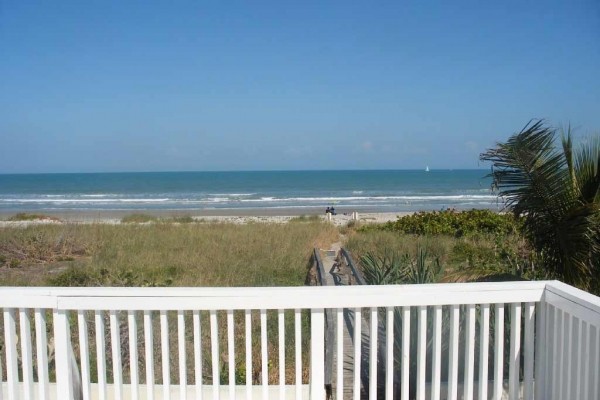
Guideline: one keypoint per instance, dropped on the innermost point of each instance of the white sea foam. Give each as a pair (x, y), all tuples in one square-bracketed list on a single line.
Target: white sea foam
[(265, 199), (232, 194), (372, 198), (100, 195), (84, 201)]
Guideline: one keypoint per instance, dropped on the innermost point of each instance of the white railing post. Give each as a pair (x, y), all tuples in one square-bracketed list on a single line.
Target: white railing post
[(540, 351), (317, 354), (10, 348), (61, 339)]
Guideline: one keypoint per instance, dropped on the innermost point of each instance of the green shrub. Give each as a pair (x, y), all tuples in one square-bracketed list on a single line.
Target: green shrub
[(75, 277), (452, 223)]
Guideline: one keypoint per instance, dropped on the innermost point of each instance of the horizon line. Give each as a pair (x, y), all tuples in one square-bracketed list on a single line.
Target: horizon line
[(248, 170)]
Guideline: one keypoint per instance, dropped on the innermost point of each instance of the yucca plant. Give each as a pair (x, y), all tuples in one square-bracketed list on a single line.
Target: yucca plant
[(423, 271), (557, 192), (388, 269)]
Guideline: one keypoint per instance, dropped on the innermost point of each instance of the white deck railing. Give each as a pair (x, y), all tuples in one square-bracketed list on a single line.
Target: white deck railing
[(473, 341)]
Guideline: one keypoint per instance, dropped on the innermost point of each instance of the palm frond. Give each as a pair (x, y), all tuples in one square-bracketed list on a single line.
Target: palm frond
[(528, 172), (557, 192), (587, 170)]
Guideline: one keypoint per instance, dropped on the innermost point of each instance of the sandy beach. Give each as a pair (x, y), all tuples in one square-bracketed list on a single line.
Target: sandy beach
[(236, 216)]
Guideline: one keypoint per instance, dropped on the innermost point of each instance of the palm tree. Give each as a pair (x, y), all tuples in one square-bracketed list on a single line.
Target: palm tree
[(557, 192)]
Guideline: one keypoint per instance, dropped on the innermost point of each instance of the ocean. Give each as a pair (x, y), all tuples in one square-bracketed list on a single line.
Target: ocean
[(367, 190)]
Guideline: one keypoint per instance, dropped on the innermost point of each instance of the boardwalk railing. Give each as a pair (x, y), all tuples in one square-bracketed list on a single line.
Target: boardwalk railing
[(543, 338), (356, 274)]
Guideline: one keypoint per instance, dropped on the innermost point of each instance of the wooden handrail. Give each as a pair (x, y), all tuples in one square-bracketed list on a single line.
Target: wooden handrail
[(319, 266), (355, 271)]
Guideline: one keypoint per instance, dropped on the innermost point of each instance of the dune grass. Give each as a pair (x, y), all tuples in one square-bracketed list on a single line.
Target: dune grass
[(161, 254), (138, 218)]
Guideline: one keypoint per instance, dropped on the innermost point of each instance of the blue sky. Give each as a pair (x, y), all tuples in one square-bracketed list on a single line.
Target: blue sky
[(224, 85)]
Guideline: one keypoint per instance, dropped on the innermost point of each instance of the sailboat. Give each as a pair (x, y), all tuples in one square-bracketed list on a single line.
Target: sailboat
[(427, 168)]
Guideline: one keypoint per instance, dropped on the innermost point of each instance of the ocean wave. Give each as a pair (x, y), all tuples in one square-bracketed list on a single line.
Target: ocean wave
[(190, 201), (263, 199), (76, 195), (232, 194), (373, 198), (84, 201), (100, 195)]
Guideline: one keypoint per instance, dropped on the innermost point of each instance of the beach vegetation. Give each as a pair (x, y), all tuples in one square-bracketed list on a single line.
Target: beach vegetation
[(138, 218), (351, 227), (394, 268), (452, 223), (555, 190), (481, 257), (32, 217), (306, 218), (182, 219), (210, 254)]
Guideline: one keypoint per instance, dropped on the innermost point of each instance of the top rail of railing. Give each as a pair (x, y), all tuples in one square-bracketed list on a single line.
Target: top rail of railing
[(185, 298), (576, 302)]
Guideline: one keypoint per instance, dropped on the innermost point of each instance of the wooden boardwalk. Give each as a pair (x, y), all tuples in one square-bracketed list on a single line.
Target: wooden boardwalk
[(338, 274)]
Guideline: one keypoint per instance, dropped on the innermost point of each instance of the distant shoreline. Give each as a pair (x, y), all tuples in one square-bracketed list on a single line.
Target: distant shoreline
[(278, 215)]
